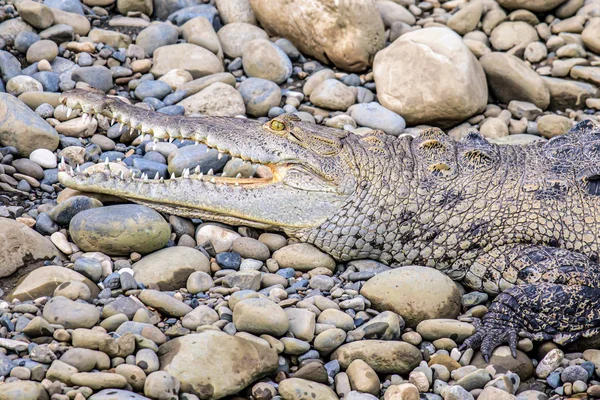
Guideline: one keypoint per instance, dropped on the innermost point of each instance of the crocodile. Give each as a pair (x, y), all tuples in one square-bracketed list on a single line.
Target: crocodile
[(521, 222)]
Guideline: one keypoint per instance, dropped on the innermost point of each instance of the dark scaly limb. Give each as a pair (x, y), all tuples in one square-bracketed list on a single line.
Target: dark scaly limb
[(556, 296)]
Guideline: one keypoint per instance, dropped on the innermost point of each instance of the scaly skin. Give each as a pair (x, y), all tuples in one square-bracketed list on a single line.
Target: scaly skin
[(522, 221)]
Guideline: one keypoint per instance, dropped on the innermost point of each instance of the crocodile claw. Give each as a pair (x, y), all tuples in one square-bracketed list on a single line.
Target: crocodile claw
[(488, 338)]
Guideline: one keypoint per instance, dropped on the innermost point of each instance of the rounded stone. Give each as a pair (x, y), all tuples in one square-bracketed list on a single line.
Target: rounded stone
[(345, 34), (263, 59), (299, 389), (199, 282), (157, 35), (458, 92), (511, 79), (42, 50), (156, 89), (120, 230), (22, 84), (363, 378), (197, 60), (234, 363), (161, 385), (134, 375), (531, 5), (552, 125), (218, 99), (260, 316), (333, 95), (329, 340), (235, 36), (374, 116), (22, 128), (259, 95), (71, 314), (23, 390), (200, 316), (303, 257), (248, 247), (503, 360), (512, 33), (415, 293), (170, 268), (384, 356), (67, 209)]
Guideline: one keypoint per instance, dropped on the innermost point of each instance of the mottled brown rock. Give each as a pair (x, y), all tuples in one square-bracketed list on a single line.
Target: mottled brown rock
[(415, 293), (24, 129), (458, 91), (347, 33), (531, 5), (384, 356), (240, 362), (20, 246), (120, 230), (44, 280), (170, 268)]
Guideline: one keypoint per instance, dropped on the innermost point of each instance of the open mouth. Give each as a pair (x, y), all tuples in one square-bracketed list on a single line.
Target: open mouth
[(165, 128)]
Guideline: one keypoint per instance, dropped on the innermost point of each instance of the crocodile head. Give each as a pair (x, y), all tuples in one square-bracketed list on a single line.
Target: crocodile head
[(309, 173)]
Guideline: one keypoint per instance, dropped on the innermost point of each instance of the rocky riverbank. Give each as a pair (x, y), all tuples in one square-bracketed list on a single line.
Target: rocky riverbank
[(107, 300)]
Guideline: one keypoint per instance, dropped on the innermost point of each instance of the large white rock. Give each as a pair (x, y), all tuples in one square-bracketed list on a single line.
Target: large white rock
[(510, 79), (213, 364), (531, 5), (415, 293), (21, 246), (430, 77), (347, 33)]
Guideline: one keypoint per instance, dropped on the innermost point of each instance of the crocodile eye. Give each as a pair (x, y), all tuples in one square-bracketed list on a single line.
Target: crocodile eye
[(277, 125)]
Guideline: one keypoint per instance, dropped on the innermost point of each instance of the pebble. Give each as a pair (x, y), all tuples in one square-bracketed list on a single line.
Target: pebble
[(156, 36), (263, 59), (70, 314), (260, 95), (260, 316), (374, 116)]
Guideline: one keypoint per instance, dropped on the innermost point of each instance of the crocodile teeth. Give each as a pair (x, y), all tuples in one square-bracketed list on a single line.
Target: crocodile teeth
[(220, 155), (172, 175), (210, 172), (186, 173), (212, 180), (112, 121), (77, 168), (122, 175), (156, 176), (238, 176), (197, 169), (69, 112)]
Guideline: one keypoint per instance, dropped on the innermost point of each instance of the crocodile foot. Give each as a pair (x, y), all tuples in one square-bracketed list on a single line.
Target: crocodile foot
[(487, 338)]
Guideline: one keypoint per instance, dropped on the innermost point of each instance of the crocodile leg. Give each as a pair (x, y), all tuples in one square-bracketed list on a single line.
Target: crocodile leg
[(555, 296)]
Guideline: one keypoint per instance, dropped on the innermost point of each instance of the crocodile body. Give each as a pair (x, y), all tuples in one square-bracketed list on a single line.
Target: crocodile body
[(519, 221)]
